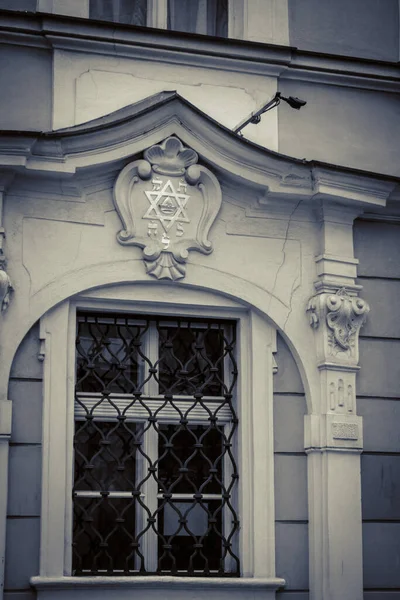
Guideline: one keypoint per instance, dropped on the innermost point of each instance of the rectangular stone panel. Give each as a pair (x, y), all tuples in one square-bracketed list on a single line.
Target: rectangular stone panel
[(287, 379), (380, 368), (26, 363), (291, 488), (292, 554), (24, 481), (381, 555), (381, 421), (383, 297), (289, 414), (380, 480), (377, 247), (26, 397), (22, 552)]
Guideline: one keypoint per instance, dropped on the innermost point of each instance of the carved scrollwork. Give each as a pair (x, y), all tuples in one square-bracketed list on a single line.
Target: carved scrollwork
[(5, 289), (345, 316), (167, 204), (312, 310), (338, 318)]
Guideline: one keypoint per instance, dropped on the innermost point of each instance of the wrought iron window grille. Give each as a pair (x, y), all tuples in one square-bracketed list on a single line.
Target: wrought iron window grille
[(155, 477)]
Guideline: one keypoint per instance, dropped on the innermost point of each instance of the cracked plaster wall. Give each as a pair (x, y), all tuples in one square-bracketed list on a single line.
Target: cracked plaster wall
[(89, 86)]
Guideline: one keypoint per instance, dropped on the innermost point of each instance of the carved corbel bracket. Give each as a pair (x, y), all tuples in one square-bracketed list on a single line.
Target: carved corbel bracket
[(339, 318), (167, 204), (6, 287)]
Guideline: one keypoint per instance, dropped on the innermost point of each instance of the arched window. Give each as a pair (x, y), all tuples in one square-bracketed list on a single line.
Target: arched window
[(157, 444)]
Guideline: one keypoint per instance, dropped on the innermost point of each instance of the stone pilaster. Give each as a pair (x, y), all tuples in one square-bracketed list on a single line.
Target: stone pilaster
[(6, 177), (5, 434), (333, 433)]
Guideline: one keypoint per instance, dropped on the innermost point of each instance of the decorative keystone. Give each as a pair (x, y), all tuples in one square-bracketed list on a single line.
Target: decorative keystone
[(167, 204)]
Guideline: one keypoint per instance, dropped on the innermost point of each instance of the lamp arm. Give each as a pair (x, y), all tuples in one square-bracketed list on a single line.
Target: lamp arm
[(256, 117)]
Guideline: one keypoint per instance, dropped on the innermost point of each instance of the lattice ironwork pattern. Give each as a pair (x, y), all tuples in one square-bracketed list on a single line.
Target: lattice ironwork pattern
[(155, 476)]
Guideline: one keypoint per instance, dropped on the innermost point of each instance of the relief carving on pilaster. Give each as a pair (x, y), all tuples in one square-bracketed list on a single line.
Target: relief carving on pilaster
[(5, 282), (167, 204), (341, 317), (346, 315), (5, 288)]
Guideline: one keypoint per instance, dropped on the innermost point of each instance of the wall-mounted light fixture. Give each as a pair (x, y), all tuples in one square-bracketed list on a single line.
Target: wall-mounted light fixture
[(255, 118)]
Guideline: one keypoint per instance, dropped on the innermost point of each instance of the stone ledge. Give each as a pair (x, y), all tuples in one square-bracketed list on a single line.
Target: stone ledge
[(156, 587)]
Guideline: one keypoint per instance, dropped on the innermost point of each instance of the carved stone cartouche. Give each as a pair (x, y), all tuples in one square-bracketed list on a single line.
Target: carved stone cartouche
[(167, 204)]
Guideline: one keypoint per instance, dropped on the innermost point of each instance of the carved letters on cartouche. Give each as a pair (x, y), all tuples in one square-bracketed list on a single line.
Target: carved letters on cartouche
[(167, 204)]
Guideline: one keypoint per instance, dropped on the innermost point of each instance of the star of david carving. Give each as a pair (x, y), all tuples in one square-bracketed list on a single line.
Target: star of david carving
[(167, 205)]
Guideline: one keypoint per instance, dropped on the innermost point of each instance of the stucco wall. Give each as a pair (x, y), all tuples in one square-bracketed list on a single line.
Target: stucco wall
[(377, 246), (23, 522), (29, 5), (87, 86), (26, 88), (345, 126), (363, 28), (291, 502)]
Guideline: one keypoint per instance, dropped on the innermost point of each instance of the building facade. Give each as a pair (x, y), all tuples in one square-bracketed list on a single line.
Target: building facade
[(199, 350)]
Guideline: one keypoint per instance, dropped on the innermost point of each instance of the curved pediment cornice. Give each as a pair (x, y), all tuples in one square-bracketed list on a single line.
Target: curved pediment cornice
[(127, 132)]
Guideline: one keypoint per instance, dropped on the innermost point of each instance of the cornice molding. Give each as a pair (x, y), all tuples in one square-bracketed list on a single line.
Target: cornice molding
[(129, 131), (81, 35)]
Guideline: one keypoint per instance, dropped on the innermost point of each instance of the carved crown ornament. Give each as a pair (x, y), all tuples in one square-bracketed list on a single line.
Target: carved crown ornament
[(167, 204), (342, 316)]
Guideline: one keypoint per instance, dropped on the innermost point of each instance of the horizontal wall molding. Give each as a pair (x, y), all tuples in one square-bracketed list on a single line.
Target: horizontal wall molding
[(288, 63)]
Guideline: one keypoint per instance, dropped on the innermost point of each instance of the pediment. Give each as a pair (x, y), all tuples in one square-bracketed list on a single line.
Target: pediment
[(128, 132)]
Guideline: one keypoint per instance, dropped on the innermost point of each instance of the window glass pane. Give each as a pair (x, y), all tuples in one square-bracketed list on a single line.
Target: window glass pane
[(191, 358), (209, 17), (131, 12), (109, 354), (196, 448), (104, 531), (155, 476), (193, 537), (105, 455)]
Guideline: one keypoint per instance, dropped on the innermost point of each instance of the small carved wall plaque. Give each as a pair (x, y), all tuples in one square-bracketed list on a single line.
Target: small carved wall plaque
[(345, 431), (167, 204)]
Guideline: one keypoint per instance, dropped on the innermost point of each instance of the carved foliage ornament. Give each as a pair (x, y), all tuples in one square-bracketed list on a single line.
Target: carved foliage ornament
[(167, 204), (5, 289), (345, 315)]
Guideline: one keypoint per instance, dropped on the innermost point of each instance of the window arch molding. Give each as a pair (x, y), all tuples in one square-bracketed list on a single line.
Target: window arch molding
[(200, 277), (257, 338)]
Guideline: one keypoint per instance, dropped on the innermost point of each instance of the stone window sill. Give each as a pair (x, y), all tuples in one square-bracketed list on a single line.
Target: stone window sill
[(155, 588)]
